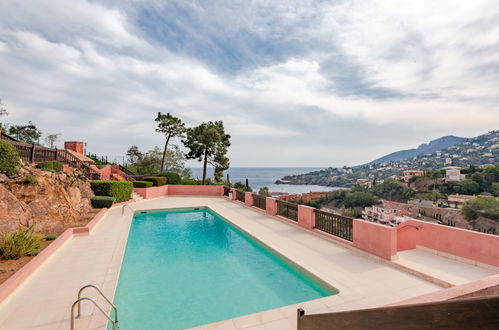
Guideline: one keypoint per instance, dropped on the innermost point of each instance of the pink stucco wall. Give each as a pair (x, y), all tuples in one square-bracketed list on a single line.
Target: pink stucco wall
[(271, 206), (248, 198), (152, 192), (195, 190), (375, 238), (306, 216), (463, 243), (233, 193), (180, 190)]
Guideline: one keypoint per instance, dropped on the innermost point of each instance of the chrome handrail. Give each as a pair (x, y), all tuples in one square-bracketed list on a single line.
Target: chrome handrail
[(80, 299), (123, 208), (115, 322)]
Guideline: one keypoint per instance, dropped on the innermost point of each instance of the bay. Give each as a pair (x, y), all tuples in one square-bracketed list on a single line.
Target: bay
[(265, 177)]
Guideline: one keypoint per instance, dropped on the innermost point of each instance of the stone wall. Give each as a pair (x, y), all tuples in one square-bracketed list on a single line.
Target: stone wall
[(51, 201)]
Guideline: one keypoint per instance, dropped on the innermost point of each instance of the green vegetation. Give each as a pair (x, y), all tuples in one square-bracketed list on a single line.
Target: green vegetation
[(20, 243), (142, 184), (172, 177), (31, 180), (156, 180), (264, 191), (51, 165), (100, 202), (171, 127), (50, 237), (9, 159), (122, 190), (487, 207), (150, 162), (243, 187), (392, 190), (27, 133), (208, 143)]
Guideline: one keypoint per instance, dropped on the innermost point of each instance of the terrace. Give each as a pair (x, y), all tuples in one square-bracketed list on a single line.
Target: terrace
[(371, 265)]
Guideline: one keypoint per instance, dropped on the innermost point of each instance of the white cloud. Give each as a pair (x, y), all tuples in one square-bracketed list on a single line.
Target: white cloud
[(86, 70)]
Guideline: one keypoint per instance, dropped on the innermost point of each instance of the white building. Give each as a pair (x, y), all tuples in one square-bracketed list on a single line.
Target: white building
[(453, 174)]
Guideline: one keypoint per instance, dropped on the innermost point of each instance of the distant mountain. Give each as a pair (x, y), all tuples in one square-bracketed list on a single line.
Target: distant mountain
[(479, 151), (426, 148)]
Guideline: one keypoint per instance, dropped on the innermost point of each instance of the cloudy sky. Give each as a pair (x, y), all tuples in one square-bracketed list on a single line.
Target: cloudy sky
[(297, 83)]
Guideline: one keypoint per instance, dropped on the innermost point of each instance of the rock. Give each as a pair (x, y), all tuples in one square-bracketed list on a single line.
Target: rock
[(4, 178), (13, 212), (52, 205)]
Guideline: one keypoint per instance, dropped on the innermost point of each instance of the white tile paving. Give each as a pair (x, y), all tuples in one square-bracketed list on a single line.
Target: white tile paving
[(44, 301)]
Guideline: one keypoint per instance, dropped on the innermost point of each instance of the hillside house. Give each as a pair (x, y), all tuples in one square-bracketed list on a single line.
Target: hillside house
[(453, 174), (408, 175), (457, 201)]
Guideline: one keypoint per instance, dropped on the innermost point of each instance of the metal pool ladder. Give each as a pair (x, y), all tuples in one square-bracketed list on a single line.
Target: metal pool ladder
[(80, 299)]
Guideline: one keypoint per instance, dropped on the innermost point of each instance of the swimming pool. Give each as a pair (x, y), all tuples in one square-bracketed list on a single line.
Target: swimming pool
[(186, 268)]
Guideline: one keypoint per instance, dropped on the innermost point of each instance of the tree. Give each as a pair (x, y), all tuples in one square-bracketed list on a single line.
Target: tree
[(467, 187), (51, 139), (27, 133), (171, 127), (494, 189), (481, 206), (264, 191), (133, 155), (209, 143)]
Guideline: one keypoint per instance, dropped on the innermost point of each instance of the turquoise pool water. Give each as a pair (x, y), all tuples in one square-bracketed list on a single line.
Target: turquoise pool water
[(187, 268)]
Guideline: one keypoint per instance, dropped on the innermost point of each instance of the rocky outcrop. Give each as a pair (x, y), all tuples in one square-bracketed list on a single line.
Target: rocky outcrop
[(50, 201)]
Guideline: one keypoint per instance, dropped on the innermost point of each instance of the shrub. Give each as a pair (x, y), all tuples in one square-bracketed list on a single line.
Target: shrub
[(142, 184), (29, 179), (51, 165), (100, 202), (50, 237), (172, 177), (156, 180), (20, 243), (9, 159), (122, 190)]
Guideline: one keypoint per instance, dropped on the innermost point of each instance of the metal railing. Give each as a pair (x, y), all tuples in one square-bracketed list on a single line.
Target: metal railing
[(240, 196), (287, 210), (80, 299), (260, 201), (334, 224), (226, 191)]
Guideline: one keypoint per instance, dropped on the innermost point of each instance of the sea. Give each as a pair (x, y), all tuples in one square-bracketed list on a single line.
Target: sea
[(266, 177)]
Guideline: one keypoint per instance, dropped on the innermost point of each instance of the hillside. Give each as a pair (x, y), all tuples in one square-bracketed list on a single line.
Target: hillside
[(426, 148), (480, 151)]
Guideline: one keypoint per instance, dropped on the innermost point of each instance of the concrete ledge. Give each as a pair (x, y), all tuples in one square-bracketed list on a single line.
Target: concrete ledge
[(482, 287)]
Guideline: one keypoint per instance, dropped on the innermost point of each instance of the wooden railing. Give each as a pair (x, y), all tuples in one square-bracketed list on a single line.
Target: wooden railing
[(240, 196), (32, 153), (287, 210), (334, 224), (128, 174), (4, 136), (260, 201), (469, 313)]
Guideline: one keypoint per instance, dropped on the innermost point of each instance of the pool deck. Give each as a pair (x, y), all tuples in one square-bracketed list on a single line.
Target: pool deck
[(44, 301)]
